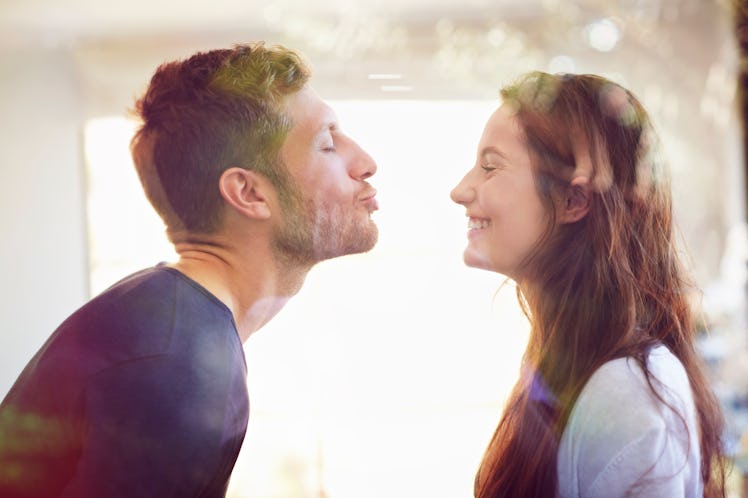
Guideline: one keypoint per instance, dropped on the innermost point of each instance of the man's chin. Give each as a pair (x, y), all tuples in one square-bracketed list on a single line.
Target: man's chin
[(360, 242), (308, 251), (370, 239)]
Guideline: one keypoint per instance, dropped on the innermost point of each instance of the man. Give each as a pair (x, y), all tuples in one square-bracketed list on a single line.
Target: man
[(142, 391)]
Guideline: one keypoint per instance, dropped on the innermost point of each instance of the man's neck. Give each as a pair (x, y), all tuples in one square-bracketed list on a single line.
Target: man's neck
[(251, 285)]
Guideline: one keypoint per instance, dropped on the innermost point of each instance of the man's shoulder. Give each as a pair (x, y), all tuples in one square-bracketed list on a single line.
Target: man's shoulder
[(154, 315), (155, 290), (136, 317), (135, 308), (153, 280)]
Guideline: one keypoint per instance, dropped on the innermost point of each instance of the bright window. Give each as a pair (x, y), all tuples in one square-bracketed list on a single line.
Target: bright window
[(386, 367)]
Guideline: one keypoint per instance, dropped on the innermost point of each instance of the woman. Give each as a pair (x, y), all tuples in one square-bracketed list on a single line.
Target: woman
[(569, 199)]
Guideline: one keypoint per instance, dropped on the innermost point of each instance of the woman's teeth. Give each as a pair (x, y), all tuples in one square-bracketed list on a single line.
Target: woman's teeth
[(474, 223)]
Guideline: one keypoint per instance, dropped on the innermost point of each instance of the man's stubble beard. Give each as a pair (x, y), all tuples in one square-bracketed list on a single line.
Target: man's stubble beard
[(315, 230)]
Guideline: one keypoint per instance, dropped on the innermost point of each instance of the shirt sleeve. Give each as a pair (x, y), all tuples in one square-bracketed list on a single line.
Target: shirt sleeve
[(645, 468), (152, 430), (621, 441)]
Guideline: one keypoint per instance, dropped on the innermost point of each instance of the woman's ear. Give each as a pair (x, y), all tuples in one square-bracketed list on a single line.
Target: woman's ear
[(246, 191), (576, 201)]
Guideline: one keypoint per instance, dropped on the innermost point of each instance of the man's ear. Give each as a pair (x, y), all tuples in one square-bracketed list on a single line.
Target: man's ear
[(576, 201), (246, 191)]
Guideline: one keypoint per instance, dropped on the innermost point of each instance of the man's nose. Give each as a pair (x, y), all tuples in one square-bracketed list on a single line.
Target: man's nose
[(363, 165)]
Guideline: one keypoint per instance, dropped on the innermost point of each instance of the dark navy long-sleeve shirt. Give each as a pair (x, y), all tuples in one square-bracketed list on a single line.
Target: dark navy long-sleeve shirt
[(140, 393)]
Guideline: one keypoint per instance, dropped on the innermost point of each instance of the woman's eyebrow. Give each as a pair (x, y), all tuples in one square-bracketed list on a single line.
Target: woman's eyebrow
[(490, 149)]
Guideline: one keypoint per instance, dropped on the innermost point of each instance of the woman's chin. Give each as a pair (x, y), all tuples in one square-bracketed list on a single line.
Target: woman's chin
[(475, 260)]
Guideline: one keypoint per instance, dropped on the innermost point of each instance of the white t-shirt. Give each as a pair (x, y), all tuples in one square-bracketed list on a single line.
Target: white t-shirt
[(621, 441)]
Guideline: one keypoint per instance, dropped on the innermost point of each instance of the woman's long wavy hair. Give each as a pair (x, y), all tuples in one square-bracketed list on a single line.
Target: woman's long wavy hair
[(610, 285)]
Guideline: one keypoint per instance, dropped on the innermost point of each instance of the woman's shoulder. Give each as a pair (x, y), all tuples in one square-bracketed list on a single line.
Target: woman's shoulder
[(622, 383), (616, 405), (620, 431), (620, 400)]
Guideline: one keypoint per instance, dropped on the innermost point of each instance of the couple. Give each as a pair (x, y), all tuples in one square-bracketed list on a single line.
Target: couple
[(142, 391)]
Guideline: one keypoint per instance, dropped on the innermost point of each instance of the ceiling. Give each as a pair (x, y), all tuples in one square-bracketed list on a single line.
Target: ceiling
[(94, 17), (455, 48)]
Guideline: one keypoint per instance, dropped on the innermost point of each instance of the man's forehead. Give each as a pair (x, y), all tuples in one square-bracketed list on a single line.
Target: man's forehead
[(307, 110)]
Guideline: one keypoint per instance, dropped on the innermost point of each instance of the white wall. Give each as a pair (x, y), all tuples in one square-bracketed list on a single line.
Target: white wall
[(43, 266)]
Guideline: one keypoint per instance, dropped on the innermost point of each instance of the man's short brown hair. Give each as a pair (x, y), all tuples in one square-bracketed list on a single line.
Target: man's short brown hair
[(202, 115)]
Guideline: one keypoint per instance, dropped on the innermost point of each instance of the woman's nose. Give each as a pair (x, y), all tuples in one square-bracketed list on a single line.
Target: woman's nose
[(463, 193)]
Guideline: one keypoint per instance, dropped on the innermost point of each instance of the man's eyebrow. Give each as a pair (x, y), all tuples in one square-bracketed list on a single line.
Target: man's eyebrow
[(330, 126)]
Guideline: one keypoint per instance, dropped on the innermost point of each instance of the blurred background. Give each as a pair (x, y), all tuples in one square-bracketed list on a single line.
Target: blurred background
[(386, 374)]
